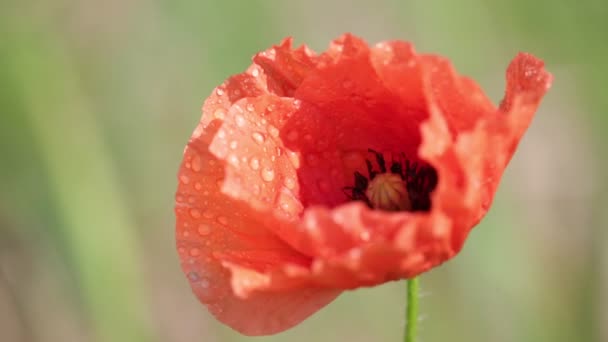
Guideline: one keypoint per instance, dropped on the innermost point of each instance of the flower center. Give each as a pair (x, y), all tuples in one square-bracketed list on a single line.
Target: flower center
[(405, 186), (388, 192)]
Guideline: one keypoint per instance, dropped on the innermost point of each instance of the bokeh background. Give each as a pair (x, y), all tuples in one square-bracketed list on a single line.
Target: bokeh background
[(98, 98)]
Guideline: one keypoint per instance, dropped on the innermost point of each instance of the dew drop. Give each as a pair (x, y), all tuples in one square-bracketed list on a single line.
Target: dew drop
[(219, 92), (258, 137), (198, 186), (294, 158), (249, 107), (195, 213), (365, 236), (184, 179), (221, 134), (240, 120), (191, 199), (274, 132), (195, 252), (279, 151), (308, 137), (188, 165), (193, 276), (233, 160), (267, 174), (196, 163), (312, 159), (256, 189), (185, 233), (179, 198), (353, 159), (290, 183), (222, 220), (254, 163), (255, 72), (204, 229), (219, 113), (324, 186), (234, 144), (292, 136)]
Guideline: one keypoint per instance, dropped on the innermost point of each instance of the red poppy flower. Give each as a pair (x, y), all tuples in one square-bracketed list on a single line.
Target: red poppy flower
[(313, 174)]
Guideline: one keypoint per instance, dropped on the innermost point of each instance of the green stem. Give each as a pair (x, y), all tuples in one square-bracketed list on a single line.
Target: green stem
[(411, 323)]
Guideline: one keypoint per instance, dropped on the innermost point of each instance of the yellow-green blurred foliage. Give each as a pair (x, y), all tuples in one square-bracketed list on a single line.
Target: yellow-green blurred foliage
[(98, 98)]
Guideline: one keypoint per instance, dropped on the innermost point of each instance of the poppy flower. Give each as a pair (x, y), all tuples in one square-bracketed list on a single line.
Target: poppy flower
[(310, 174)]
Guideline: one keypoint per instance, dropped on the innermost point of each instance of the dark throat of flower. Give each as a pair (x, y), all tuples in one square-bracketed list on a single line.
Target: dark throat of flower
[(402, 186)]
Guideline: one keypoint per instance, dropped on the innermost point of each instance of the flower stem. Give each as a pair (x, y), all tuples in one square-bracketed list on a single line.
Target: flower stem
[(411, 323)]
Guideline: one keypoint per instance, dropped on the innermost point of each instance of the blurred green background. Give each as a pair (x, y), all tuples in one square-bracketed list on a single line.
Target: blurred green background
[(97, 100)]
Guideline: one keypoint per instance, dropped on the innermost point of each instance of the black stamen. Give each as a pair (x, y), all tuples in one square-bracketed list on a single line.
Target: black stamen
[(370, 170), (360, 181), (379, 160)]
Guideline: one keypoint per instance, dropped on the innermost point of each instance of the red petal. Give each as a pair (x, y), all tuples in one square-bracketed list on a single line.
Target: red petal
[(214, 228), (284, 67)]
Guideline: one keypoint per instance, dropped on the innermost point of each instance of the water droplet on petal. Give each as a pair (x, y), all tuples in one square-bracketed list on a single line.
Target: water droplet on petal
[(254, 163), (195, 252), (233, 160), (255, 72), (196, 163), (256, 189), (234, 144), (250, 107), (198, 186), (184, 179), (290, 183), (258, 137), (308, 138), (219, 92), (365, 236), (292, 136), (274, 132), (222, 220), (294, 158), (268, 174), (324, 186), (204, 229), (240, 120), (312, 159), (219, 113), (193, 276), (195, 213)]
